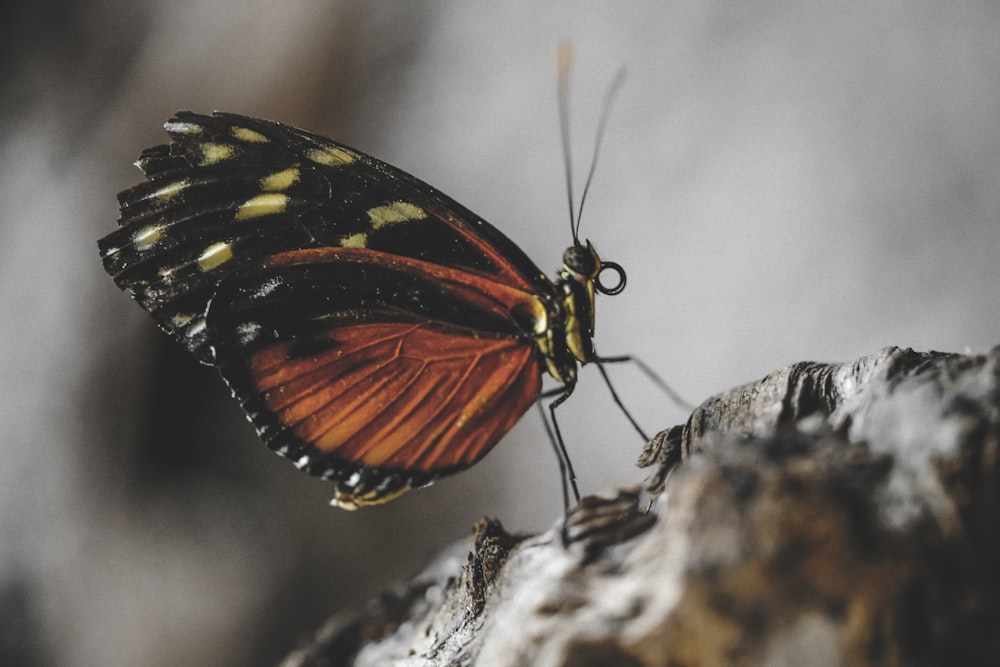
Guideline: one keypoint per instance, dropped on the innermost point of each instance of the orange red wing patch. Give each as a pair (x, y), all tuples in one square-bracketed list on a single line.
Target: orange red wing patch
[(415, 396)]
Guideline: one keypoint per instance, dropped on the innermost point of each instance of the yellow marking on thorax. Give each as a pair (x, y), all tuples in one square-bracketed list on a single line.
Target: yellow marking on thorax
[(280, 180), (354, 241), (268, 203), (573, 339), (331, 156), (540, 315), (544, 340), (147, 237), (398, 211), (593, 310), (571, 326), (171, 190), (248, 135), (212, 153), (215, 255)]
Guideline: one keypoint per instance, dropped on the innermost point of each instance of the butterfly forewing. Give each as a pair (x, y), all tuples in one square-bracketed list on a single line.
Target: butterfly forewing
[(378, 333)]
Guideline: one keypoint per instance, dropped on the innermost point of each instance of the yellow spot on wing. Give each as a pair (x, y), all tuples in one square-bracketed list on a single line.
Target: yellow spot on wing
[(331, 156), (350, 502), (281, 180), (171, 190), (397, 211), (268, 203), (354, 241), (246, 134), (147, 237), (212, 153), (215, 255)]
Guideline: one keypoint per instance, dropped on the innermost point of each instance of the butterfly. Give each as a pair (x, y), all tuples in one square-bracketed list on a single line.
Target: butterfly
[(376, 332)]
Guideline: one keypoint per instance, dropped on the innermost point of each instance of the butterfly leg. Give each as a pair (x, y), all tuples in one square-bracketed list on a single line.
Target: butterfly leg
[(567, 474), (651, 374), (618, 401)]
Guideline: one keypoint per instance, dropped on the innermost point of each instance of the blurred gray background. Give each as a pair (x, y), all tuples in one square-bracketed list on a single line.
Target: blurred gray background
[(782, 182)]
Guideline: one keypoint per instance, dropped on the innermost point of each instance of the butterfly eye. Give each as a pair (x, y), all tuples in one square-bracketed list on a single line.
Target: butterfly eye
[(615, 288), (581, 261)]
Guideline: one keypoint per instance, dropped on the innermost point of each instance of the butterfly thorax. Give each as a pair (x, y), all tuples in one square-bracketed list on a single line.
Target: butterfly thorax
[(568, 335)]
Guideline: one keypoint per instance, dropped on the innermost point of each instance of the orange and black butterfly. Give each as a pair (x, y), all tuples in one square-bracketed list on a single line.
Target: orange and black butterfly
[(377, 333)]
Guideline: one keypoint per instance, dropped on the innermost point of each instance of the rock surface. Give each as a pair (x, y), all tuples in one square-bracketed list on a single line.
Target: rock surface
[(828, 514)]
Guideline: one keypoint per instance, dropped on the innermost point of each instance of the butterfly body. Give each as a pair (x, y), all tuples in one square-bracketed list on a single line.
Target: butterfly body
[(376, 332)]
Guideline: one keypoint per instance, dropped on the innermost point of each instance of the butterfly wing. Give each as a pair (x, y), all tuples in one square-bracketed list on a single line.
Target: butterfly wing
[(377, 333)]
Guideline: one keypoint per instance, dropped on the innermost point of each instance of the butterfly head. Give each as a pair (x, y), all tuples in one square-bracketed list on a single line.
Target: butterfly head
[(585, 266), (579, 280)]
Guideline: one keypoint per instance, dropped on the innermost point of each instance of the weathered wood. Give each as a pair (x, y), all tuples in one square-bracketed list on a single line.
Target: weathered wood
[(828, 514)]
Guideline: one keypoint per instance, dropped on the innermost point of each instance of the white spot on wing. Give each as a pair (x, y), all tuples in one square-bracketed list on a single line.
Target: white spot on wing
[(248, 332), (196, 328), (180, 127), (267, 288)]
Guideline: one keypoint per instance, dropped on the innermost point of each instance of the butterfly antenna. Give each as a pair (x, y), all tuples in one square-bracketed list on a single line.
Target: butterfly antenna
[(564, 58), (609, 97)]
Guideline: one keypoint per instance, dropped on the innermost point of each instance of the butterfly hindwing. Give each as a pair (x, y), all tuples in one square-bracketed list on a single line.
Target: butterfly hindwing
[(386, 406), (366, 370)]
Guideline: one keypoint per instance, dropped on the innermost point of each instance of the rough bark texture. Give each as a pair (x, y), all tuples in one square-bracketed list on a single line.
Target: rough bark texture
[(829, 514)]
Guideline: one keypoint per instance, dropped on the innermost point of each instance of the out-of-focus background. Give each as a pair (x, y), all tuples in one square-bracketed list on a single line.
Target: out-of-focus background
[(782, 181)]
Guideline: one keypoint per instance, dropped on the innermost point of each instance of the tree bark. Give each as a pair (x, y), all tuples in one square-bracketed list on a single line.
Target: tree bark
[(828, 514)]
